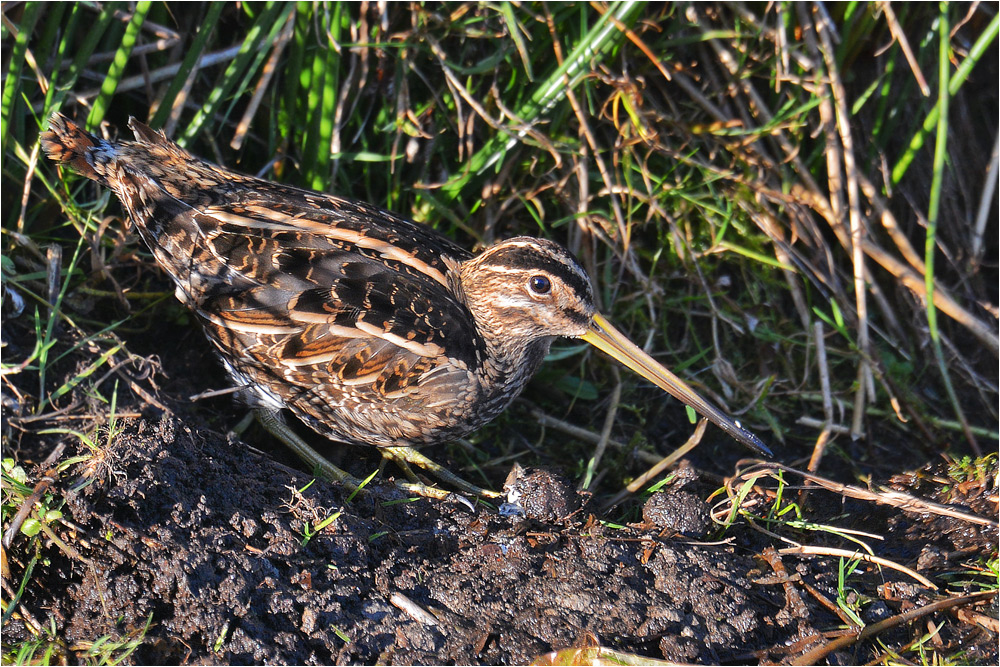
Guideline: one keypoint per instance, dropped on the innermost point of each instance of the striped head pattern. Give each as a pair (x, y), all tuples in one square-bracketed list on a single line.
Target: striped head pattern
[(527, 289)]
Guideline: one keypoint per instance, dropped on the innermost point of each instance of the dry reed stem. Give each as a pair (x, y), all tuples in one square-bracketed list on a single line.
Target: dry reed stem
[(412, 609), (856, 555), (262, 84), (583, 434), (591, 139), (639, 482), (609, 423), (902, 501), (985, 205), (904, 44), (824, 380), (814, 656), (843, 116)]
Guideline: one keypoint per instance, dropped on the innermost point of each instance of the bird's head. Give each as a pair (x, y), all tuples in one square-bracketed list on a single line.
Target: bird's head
[(526, 291)]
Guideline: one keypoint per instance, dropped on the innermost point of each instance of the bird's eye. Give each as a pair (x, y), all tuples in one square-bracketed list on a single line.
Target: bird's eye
[(539, 285)]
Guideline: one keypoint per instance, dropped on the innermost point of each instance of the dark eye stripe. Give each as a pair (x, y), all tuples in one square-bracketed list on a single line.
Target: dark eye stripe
[(528, 258), (580, 319)]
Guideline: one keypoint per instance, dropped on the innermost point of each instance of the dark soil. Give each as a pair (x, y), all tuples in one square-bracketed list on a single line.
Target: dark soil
[(179, 524)]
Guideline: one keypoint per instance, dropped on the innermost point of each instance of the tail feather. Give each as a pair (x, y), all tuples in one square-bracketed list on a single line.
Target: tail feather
[(144, 133), (69, 144)]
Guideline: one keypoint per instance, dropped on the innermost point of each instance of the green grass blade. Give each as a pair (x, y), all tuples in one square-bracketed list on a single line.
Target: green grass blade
[(328, 56), (118, 64), (194, 52), (515, 30), (977, 51), (934, 210), (12, 84), (266, 27), (297, 76), (82, 51), (60, 55)]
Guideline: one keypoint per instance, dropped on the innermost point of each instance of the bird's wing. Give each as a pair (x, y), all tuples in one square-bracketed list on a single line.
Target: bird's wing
[(333, 318)]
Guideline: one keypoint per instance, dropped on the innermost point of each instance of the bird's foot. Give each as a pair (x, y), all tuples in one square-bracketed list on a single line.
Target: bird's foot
[(404, 456)]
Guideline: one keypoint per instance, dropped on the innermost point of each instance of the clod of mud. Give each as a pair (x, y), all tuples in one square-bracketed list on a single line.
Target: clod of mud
[(542, 495), (678, 511)]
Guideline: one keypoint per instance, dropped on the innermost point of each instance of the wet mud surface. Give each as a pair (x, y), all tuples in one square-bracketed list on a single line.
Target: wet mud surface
[(233, 556), (208, 538)]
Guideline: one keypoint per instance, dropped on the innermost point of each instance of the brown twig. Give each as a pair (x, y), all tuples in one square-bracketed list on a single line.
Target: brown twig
[(609, 423), (816, 655), (904, 44), (856, 555), (902, 501)]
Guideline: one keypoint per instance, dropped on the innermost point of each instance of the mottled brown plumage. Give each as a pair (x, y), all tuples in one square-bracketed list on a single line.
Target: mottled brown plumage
[(370, 328)]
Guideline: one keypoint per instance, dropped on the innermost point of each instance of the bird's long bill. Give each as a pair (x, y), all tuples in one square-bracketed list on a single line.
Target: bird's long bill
[(609, 340)]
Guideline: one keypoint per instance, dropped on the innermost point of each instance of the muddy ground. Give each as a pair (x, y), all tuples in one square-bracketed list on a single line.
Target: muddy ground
[(212, 542)]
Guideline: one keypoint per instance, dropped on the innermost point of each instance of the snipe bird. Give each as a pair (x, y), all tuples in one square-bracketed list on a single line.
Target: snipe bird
[(371, 329)]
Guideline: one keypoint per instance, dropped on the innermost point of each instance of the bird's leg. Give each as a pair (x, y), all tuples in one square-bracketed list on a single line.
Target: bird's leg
[(273, 423), (402, 465), (403, 456)]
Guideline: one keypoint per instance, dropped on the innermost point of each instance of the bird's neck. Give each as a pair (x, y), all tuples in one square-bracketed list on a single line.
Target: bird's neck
[(511, 358), (514, 364), (507, 370)]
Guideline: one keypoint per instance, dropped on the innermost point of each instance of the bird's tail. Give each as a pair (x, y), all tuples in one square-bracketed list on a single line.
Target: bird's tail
[(69, 144)]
